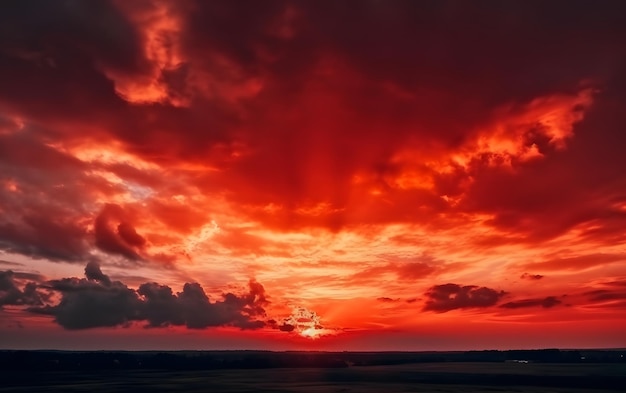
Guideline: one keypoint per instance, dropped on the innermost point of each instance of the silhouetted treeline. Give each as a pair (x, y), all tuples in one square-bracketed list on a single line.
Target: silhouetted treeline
[(203, 360)]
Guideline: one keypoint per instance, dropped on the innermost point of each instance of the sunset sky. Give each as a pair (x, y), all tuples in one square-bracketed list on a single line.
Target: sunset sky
[(319, 175)]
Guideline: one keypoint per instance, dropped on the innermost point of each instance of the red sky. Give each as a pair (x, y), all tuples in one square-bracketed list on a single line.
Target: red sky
[(355, 175)]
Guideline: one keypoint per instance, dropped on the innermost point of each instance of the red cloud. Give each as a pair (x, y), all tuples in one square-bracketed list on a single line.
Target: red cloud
[(547, 302), (116, 236)]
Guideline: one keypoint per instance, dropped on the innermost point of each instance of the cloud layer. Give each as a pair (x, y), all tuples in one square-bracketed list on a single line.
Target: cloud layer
[(339, 152)]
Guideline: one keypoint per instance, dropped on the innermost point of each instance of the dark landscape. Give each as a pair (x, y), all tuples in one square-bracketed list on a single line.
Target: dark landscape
[(549, 370)]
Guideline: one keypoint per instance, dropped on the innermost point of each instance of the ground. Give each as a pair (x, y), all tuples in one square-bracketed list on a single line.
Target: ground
[(421, 377)]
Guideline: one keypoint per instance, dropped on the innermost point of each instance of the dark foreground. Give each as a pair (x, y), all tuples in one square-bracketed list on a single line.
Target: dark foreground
[(422, 377), (250, 371)]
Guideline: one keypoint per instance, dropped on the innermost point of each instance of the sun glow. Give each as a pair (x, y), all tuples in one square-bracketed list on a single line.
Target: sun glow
[(311, 333), (307, 324)]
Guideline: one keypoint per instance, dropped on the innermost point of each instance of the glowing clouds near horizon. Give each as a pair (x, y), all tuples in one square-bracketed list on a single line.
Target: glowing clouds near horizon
[(306, 323)]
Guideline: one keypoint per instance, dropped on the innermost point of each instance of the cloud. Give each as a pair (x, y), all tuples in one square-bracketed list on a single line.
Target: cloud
[(447, 297), (11, 294), (602, 295), (86, 304), (93, 272), (99, 302), (617, 282), (547, 302), (304, 322), (53, 228), (161, 307), (115, 235), (286, 327), (44, 237), (192, 307), (607, 294), (532, 277), (130, 235)]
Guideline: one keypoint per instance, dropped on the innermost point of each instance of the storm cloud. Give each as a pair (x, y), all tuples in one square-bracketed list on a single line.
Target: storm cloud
[(99, 302), (12, 294), (115, 235), (447, 297)]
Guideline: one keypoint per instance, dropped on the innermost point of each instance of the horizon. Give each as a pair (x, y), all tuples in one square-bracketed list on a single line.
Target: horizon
[(316, 351), (312, 175)]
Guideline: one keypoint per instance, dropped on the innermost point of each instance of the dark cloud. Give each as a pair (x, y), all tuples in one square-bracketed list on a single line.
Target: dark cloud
[(602, 295), (286, 327), (24, 276), (115, 235), (49, 194), (93, 272), (54, 238), (99, 302), (528, 276), (192, 307), (86, 304), (447, 297), (130, 235), (386, 299), (161, 306), (547, 302), (619, 282), (11, 294), (96, 27), (609, 294)]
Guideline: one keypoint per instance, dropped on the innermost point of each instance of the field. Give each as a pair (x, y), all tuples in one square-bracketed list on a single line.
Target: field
[(419, 377)]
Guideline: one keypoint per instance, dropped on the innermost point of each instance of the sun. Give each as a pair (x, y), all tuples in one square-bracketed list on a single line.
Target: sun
[(311, 333), (307, 324)]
